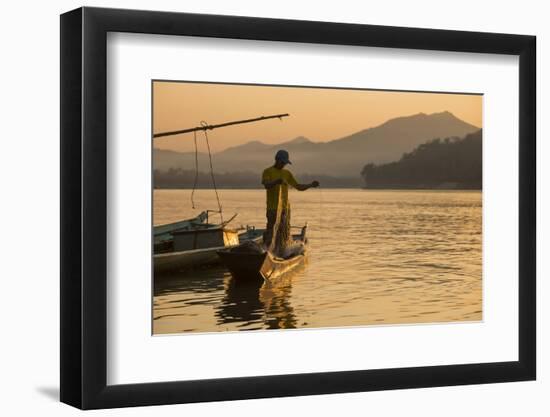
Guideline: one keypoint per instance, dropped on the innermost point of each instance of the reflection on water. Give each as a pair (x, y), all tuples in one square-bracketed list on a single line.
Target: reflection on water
[(241, 303), (375, 257), (244, 305), (258, 302)]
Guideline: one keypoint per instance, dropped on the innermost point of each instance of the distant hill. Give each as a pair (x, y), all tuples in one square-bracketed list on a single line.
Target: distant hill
[(342, 157), (449, 163)]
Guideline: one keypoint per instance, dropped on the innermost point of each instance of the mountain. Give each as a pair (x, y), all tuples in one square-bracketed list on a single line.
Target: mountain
[(297, 141), (342, 157)]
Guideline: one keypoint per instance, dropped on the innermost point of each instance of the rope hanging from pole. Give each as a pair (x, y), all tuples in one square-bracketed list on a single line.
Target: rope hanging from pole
[(195, 183), (204, 124)]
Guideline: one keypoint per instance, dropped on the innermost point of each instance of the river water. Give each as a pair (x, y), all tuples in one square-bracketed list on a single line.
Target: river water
[(375, 257)]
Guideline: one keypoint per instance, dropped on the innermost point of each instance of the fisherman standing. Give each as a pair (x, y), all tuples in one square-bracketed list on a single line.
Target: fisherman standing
[(276, 180)]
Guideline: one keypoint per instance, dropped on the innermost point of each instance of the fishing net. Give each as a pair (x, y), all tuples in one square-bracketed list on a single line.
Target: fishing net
[(279, 222)]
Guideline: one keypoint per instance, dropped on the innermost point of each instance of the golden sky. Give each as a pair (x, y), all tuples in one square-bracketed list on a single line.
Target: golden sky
[(319, 114)]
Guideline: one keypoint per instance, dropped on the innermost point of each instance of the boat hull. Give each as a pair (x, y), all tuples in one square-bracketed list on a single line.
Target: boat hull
[(174, 261), (252, 266), (188, 259), (245, 267)]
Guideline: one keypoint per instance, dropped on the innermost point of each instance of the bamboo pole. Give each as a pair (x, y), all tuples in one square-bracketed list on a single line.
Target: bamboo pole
[(210, 127)]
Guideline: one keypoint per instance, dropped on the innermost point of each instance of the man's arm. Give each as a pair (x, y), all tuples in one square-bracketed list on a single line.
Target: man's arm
[(303, 187), (300, 187)]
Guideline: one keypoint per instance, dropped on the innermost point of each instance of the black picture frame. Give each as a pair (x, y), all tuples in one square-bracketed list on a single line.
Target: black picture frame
[(84, 207)]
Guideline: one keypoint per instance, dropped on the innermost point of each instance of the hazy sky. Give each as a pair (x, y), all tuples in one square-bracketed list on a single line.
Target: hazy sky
[(316, 113)]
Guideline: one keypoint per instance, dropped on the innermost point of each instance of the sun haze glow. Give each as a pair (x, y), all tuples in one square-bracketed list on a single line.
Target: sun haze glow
[(320, 114)]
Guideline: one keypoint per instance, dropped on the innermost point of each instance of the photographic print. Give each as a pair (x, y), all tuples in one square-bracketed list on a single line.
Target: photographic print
[(293, 207)]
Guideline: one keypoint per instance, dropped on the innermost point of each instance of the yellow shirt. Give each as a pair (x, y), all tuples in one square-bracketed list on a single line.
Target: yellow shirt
[(272, 194)]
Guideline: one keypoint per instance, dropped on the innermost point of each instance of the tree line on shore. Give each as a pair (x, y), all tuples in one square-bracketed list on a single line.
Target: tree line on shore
[(448, 163)]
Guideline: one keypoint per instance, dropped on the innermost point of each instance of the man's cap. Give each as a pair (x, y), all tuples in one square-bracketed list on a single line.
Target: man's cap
[(282, 156)]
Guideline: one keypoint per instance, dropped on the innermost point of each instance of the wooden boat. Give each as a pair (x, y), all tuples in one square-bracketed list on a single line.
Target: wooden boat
[(198, 247), (251, 265), (163, 233)]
